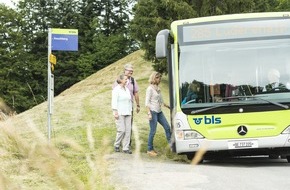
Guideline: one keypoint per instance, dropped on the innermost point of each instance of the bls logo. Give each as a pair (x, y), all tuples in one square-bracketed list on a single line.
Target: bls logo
[(207, 120)]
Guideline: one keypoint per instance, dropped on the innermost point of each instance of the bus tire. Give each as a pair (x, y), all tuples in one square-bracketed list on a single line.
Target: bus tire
[(190, 156), (288, 159), (173, 147)]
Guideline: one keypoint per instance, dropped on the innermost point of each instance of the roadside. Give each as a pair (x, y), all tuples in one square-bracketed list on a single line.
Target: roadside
[(142, 172), (130, 172)]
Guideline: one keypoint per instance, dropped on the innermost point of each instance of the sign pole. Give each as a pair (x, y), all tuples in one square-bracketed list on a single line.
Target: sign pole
[(49, 111), (58, 40)]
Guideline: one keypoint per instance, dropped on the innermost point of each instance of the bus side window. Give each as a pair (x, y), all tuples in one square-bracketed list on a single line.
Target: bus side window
[(215, 92)]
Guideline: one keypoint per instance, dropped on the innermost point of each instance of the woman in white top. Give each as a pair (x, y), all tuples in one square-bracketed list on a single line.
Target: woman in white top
[(122, 111), (153, 103)]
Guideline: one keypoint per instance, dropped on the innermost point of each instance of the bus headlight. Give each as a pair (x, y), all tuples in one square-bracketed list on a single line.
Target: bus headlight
[(287, 130), (187, 135), (178, 124)]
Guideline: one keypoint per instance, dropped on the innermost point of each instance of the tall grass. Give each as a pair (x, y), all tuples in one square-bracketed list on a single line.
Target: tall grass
[(33, 163)]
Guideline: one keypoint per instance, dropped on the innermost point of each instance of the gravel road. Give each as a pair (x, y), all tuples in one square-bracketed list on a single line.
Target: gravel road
[(132, 172)]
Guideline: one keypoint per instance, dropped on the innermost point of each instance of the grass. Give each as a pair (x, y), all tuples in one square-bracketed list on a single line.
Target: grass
[(83, 132)]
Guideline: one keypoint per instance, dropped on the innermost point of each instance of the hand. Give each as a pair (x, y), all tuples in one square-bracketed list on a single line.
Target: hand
[(138, 109), (116, 116), (149, 116)]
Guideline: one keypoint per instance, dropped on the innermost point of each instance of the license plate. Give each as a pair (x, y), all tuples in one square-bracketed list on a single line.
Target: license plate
[(242, 144)]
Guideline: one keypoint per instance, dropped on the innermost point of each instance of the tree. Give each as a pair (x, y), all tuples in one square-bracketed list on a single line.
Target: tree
[(283, 5), (15, 67), (113, 41), (150, 16), (103, 39)]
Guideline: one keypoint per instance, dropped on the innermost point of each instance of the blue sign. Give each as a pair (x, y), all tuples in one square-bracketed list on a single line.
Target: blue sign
[(64, 39)]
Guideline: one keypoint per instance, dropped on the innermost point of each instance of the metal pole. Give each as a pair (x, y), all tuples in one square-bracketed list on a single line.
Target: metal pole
[(49, 111)]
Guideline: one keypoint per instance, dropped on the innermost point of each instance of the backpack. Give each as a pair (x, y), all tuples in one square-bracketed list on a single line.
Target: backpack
[(133, 83)]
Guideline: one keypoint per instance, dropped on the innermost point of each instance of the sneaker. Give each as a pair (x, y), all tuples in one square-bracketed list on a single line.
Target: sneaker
[(127, 151), (152, 153), (117, 149)]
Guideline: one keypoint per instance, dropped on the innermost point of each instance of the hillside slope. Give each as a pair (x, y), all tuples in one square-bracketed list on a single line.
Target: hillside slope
[(83, 131), (88, 102)]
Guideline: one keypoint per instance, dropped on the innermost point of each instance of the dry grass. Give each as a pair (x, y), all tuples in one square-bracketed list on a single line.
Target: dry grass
[(33, 163)]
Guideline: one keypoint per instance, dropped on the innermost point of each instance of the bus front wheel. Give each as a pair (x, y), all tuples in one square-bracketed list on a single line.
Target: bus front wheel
[(288, 158), (190, 156), (173, 147)]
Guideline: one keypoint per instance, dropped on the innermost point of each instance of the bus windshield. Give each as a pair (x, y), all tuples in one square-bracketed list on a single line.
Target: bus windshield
[(217, 73)]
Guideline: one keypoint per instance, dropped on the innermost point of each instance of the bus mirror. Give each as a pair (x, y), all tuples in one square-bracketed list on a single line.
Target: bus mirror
[(161, 43)]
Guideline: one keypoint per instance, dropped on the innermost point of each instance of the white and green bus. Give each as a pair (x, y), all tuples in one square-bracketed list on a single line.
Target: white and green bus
[(229, 81)]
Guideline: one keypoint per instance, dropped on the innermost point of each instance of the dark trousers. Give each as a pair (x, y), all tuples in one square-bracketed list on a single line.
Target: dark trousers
[(131, 126)]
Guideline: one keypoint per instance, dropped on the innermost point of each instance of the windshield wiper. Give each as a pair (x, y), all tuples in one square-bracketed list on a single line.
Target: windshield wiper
[(209, 108), (259, 98), (236, 103)]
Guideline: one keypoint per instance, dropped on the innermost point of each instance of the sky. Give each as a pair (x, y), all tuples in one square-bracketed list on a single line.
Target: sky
[(8, 2)]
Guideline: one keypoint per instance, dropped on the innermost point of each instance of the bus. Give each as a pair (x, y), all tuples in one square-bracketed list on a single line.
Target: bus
[(229, 84)]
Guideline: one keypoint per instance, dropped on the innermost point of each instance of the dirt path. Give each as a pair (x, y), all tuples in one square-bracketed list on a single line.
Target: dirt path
[(133, 172)]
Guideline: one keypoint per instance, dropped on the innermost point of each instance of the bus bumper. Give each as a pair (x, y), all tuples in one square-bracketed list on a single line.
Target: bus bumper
[(254, 146)]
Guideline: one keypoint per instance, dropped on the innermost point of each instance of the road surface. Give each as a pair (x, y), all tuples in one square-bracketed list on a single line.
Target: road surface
[(252, 173)]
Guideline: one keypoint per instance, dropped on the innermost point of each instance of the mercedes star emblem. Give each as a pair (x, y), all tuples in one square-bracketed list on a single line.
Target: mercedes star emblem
[(242, 130)]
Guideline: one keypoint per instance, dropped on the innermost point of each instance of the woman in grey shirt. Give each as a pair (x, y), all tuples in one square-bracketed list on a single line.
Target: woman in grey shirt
[(153, 103)]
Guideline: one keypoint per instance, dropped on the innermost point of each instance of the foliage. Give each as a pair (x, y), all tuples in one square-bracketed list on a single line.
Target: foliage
[(103, 39), (283, 5), (152, 16), (15, 68)]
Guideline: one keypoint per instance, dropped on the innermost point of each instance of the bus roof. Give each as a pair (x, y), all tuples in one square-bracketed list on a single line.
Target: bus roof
[(174, 24)]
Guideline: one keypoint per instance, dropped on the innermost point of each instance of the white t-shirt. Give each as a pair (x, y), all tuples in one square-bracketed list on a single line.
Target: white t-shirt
[(121, 100), (133, 88)]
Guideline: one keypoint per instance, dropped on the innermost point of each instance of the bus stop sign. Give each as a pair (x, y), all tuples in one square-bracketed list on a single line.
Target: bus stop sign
[(64, 39)]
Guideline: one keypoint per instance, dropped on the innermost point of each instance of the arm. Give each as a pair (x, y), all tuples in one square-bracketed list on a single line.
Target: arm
[(165, 105), (147, 102), (115, 103), (136, 95)]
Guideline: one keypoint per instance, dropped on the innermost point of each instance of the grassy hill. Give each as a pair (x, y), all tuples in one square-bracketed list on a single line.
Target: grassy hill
[(83, 131)]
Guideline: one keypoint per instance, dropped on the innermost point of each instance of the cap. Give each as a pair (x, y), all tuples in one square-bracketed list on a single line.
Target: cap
[(128, 66)]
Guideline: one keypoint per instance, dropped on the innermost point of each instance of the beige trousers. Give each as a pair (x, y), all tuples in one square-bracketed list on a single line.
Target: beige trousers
[(123, 135)]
